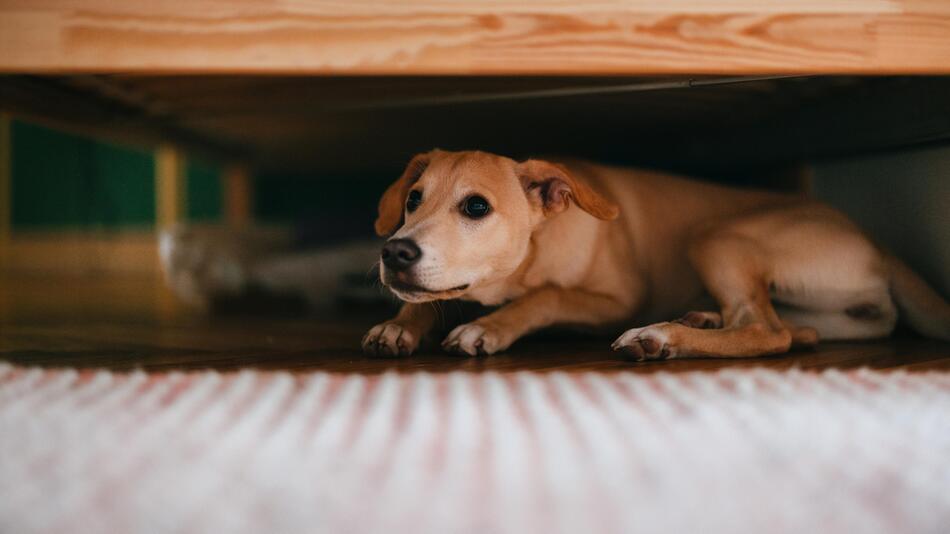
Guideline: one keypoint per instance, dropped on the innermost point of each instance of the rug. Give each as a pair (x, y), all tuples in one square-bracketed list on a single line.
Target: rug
[(253, 452)]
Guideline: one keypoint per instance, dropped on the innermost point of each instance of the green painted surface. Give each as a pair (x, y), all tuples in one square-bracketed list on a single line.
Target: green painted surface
[(288, 198), (204, 191), (321, 209), (61, 180)]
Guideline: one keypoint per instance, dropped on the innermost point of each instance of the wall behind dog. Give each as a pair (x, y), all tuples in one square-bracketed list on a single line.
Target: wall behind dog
[(74, 204), (902, 199), (64, 182)]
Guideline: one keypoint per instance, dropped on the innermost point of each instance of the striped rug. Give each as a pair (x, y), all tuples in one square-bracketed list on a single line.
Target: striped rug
[(266, 453)]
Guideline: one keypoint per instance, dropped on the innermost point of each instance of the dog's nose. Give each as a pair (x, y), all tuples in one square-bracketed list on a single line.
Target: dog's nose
[(400, 254)]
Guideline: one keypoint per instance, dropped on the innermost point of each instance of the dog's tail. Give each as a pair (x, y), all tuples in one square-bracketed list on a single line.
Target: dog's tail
[(919, 304)]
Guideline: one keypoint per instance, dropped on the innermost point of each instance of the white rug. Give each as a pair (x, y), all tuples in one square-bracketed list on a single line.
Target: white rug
[(268, 453)]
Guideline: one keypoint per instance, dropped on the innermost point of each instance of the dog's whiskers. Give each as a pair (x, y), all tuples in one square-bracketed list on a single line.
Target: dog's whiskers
[(374, 266), (437, 307)]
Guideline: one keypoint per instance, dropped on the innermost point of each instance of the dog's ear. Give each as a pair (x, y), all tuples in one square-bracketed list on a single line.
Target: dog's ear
[(552, 187), (393, 201)]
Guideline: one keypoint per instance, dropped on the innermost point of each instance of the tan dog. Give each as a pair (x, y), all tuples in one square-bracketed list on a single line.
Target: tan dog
[(583, 244)]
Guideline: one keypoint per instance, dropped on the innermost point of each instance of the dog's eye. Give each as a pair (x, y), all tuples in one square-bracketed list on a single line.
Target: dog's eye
[(415, 198), (475, 207)]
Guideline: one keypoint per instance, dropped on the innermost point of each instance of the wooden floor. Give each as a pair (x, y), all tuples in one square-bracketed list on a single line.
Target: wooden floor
[(126, 324)]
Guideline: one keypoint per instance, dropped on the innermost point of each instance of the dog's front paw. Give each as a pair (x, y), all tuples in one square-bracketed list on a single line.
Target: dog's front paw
[(652, 342), (476, 338), (390, 339)]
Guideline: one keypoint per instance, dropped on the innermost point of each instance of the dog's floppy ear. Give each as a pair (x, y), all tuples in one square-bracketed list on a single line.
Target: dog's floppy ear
[(393, 201), (552, 187)]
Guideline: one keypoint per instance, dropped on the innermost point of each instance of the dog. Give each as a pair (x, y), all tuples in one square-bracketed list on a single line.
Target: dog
[(710, 271)]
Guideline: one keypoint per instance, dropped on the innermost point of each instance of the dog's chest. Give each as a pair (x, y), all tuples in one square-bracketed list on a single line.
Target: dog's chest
[(516, 286), (496, 294)]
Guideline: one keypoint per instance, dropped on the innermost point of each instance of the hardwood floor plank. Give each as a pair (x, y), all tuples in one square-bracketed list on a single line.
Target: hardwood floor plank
[(271, 345), (128, 324)]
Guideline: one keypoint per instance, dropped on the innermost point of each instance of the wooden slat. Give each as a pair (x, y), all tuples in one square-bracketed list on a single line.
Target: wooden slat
[(75, 105), (470, 37), (238, 197), (356, 125), (883, 114), (170, 187)]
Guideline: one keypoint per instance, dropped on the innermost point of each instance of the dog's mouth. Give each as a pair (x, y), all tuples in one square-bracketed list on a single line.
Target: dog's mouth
[(411, 292)]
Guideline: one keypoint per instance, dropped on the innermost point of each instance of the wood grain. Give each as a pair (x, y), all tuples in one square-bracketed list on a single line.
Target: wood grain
[(127, 323), (81, 253), (171, 202), (332, 344), (465, 37), (238, 195), (331, 126)]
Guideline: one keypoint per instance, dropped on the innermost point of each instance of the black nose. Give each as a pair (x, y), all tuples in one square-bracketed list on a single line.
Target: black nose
[(400, 254)]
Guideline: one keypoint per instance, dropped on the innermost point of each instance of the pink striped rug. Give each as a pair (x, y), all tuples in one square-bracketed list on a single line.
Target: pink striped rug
[(251, 452)]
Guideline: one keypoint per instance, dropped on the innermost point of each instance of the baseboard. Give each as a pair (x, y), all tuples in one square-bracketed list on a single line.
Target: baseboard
[(79, 253)]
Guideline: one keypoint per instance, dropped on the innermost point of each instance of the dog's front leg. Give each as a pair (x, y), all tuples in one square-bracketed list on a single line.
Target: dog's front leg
[(537, 309), (401, 335)]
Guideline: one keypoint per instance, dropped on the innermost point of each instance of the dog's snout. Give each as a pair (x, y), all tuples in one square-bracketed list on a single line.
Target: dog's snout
[(400, 254)]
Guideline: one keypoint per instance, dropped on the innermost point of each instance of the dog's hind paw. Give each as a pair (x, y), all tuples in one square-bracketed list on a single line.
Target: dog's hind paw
[(390, 339), (647, 343)]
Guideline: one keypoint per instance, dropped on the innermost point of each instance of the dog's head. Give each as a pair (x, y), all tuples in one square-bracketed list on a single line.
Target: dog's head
[(460, 220)]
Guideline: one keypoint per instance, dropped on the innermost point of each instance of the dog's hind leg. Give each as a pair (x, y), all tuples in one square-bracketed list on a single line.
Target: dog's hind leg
[(801, 337), (734, 271)]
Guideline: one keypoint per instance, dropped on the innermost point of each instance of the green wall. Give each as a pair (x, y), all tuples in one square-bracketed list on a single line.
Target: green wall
[(902, 199), (203, 190), (65, 181)]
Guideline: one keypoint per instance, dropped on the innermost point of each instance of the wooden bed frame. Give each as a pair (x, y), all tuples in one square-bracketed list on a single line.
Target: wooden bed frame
[(477, 37)]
